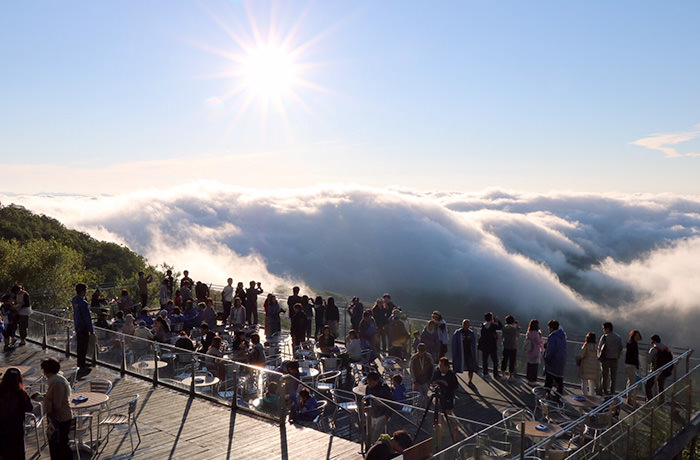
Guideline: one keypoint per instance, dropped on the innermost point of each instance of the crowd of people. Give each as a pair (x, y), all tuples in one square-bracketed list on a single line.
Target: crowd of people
[(384, 327)]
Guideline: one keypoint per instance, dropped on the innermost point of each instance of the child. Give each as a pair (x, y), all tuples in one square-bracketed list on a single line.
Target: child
[(416, 341), (308, 407), (398, 391), (271, 400)]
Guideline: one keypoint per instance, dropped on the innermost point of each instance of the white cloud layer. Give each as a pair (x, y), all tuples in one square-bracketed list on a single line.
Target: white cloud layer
[(668, 142), (628, 258)]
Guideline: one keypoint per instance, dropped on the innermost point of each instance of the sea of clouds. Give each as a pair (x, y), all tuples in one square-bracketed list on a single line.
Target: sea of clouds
[(581, 258)]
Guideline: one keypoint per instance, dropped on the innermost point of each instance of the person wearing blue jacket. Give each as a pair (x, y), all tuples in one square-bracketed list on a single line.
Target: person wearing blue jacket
[(83, 324), (555, 356), (464, 350)]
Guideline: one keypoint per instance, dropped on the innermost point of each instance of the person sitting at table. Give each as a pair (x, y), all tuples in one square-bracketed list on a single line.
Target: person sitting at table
[(215, 350), (256, 356), (102, 321), (237, 317), (15, 402), (353, 346), (57, 409), (189, 316), (271, 400), (177, 321), (209, 314), (326, 341), (129, 325), (377, 411), (421, 368), (184, 342), (164, 314), (385, 447), (125, 303), (298, 327), (206, 337), (239, 342), (141, 346), (307, 408), (145, 315), (398, 390), (161, 330), (291, 379), (118, 322)]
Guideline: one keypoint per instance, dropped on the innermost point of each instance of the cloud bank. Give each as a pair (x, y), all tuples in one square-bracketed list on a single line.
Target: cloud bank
[(581, 258)]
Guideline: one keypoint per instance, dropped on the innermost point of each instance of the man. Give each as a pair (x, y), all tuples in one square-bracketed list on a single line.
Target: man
[(488, 343), (8, 311), (24, 309), (206, 337), (609, 352), (169, 283), (659, 355), (201, 291), (57, 409), (381, 314), (293, 300), (377, 411), (421, 368), (355, 310), (143, 288), (464, 350), (384, 448), (446, 381), (186, 278), (227, 298), (83, 324), (251, 302), (555, 357)]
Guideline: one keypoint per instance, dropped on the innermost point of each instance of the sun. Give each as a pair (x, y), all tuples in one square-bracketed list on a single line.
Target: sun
[(269, 72)]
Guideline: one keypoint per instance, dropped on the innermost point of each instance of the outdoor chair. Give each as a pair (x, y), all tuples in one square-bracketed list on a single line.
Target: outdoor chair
[(121, 412), (95, 385), (80, 427), (33, 421), (327, 381)]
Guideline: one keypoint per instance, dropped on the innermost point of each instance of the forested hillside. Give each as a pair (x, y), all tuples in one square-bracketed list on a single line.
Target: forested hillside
[(48, 259)]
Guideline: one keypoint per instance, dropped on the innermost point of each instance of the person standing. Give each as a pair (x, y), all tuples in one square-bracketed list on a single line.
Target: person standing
[(9, 313), (24, 309), (555, 356), (533, 350), (57, 409), (251, 302), (464, 350), (446, 379), (15, 402), (83, 324), (511, 332), (587, 362), (143, 288), (421, 368), (659, 356), (488, 343), (293, 299), (227, 298), (632, 363), (332, 316), (609, 352), (355, 310)]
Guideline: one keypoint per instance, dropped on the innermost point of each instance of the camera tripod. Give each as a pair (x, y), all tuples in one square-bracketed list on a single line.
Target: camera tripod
[(434, 400)]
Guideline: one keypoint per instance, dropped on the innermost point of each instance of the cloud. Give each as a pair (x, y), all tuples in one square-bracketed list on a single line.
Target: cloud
[(665, 142), (577, 257)]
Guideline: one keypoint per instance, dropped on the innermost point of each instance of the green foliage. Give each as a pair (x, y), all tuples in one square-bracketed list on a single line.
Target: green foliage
[(49, 270), (109, 261)]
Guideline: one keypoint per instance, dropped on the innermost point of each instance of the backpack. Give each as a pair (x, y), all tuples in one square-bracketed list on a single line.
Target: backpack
[(664, 357)]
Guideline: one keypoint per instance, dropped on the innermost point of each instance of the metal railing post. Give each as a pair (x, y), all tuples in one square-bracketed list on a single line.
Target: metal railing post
[(93, 354), (44, 338), (155, 369), (234, 396), (192, 375), (67, 341), (651, 433), (122, 369), (522, 440)]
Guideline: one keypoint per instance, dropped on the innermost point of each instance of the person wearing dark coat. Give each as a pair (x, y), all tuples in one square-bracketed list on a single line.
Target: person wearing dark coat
[(488, 343), (464, 358), (298, 327), (14, 402)]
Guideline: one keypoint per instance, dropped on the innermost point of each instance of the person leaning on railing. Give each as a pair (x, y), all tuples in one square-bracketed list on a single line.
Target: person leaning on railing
[(659, 355)]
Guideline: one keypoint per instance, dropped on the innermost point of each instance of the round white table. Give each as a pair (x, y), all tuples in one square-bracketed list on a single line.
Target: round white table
[(148, 365), (200, 382), (93, 399)]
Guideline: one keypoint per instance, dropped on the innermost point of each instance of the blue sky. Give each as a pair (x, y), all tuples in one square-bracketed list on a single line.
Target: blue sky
[(105, 97)]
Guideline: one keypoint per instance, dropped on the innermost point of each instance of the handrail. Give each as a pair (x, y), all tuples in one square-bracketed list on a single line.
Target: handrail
[(606, 405)]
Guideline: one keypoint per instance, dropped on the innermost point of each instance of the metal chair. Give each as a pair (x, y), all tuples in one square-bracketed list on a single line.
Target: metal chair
[(33, 421), (80, 427), (327, 381), (121, 412), (347, 401), (95, 385)]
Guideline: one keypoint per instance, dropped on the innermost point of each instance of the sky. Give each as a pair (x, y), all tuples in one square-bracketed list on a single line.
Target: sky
[(114, 97)]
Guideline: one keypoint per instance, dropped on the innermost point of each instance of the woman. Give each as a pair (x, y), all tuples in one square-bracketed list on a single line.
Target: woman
[(14, 403), (57, 409), (368, 331), (215, 351), (332, 316), (587, 361), (353, 346), (326, 341), (129, 325), (240, 292), (298, 327), (125, 303), (533, 350), (319, 315), (430, 338), (464, 350), (443, 335), (632, 362), (161, 330), (272, 320)]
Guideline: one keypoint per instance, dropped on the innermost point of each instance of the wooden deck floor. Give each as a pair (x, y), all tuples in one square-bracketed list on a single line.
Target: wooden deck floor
[(172, 425)]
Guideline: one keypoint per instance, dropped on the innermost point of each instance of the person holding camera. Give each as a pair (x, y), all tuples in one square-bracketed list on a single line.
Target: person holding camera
[(444, 385)]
